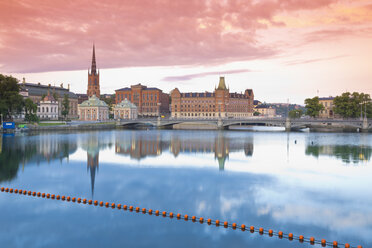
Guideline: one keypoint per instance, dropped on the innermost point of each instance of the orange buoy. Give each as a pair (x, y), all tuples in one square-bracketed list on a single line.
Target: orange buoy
[(73, 199), (251, 229), (33, 193), (335, 244), (261, 230), (301, 238), (90, 202), (280, 234), (11, 190), (201, 220), (58, 197), (84, 201), (186, 217), (16, 191), (52, 196), (323, 242), (101, 203), (7, 189), (2, 189), (118, 206), (112, 205), (234, 225), (217, 222), (24, 192), (29, 192), (347, 245), (178, 216), (209, 221), (312, 240), (95, 202), (130, 208), (170, 215), (225, 224), (193, 218), (125, 207), (164, 214), (107, 204), (48, 195), (359, 246), (68, 198), (150, 211), (157, 212), (20, 191), (144, 210), (79, 200), (271, 232), (38, 194), (137, 209), (242, 227), (63, 198), (290, 236)]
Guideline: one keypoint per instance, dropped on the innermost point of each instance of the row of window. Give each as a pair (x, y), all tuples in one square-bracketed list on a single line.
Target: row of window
[(46, 109)]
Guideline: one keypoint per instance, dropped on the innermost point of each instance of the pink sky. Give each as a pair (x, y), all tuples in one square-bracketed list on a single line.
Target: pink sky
[(283, 50)]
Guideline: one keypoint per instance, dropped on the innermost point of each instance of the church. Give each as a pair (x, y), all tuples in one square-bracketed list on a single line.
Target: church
[(93, 109)]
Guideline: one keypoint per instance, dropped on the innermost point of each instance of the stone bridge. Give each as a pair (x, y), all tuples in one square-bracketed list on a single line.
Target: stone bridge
[(288, 124)]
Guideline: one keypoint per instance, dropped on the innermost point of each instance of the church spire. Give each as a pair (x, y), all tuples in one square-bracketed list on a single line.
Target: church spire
[(93, 69), (221, 84)]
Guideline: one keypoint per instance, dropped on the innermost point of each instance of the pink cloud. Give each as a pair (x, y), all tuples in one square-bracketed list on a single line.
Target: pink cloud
[(203, 74), (37, 36)]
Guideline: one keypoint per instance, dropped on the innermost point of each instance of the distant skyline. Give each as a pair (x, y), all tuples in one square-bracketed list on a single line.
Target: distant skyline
[(281, 49)]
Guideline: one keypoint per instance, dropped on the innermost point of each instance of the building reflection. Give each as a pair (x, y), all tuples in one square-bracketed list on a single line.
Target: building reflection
[(20, 151), (92, 145), (140, 145), (347, 153)]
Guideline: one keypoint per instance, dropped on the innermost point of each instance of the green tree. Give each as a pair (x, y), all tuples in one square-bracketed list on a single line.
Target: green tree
[(30, 111), (256, 113), (353, 105), (313, 107), (295, 113), (65, 106), (11, 102)]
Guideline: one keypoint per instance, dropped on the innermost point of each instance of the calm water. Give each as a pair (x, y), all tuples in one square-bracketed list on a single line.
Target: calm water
[(314, 184)]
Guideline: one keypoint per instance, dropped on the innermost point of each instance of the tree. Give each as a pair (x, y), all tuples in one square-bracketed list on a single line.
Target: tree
[(256, 113), (295, 113), (65, 106), (353, 105), (30, 111), (313, 107), (11, 101)]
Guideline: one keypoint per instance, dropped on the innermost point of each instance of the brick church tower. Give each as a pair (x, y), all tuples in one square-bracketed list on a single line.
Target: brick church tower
[(93, 78)]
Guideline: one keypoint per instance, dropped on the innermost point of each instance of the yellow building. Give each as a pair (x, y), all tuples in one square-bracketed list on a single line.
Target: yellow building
[(265, 110), (93, 110), (327, 112)]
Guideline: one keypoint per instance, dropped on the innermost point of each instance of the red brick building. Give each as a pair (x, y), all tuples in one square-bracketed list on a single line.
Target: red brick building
[(220, 103), (93, 78), (149, 101)]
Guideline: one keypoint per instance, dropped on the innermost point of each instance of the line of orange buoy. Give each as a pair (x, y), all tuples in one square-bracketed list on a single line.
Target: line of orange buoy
[(225, 224)]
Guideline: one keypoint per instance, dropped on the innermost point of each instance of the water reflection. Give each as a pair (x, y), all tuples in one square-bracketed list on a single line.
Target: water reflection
[(22, 150), (139, 145), (347, 153)]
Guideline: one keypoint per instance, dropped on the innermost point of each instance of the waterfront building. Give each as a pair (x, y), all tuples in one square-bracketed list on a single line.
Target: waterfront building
[(82, 98), (327, 103), (48, 108), (219, 104), (93, 78), (149, 101), (265, 110), (125, 110), (36, 92), (93, 110)]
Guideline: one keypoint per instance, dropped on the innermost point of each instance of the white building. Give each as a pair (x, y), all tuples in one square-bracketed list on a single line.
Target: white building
[(125, 110), (48, 108), (93, 109)]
